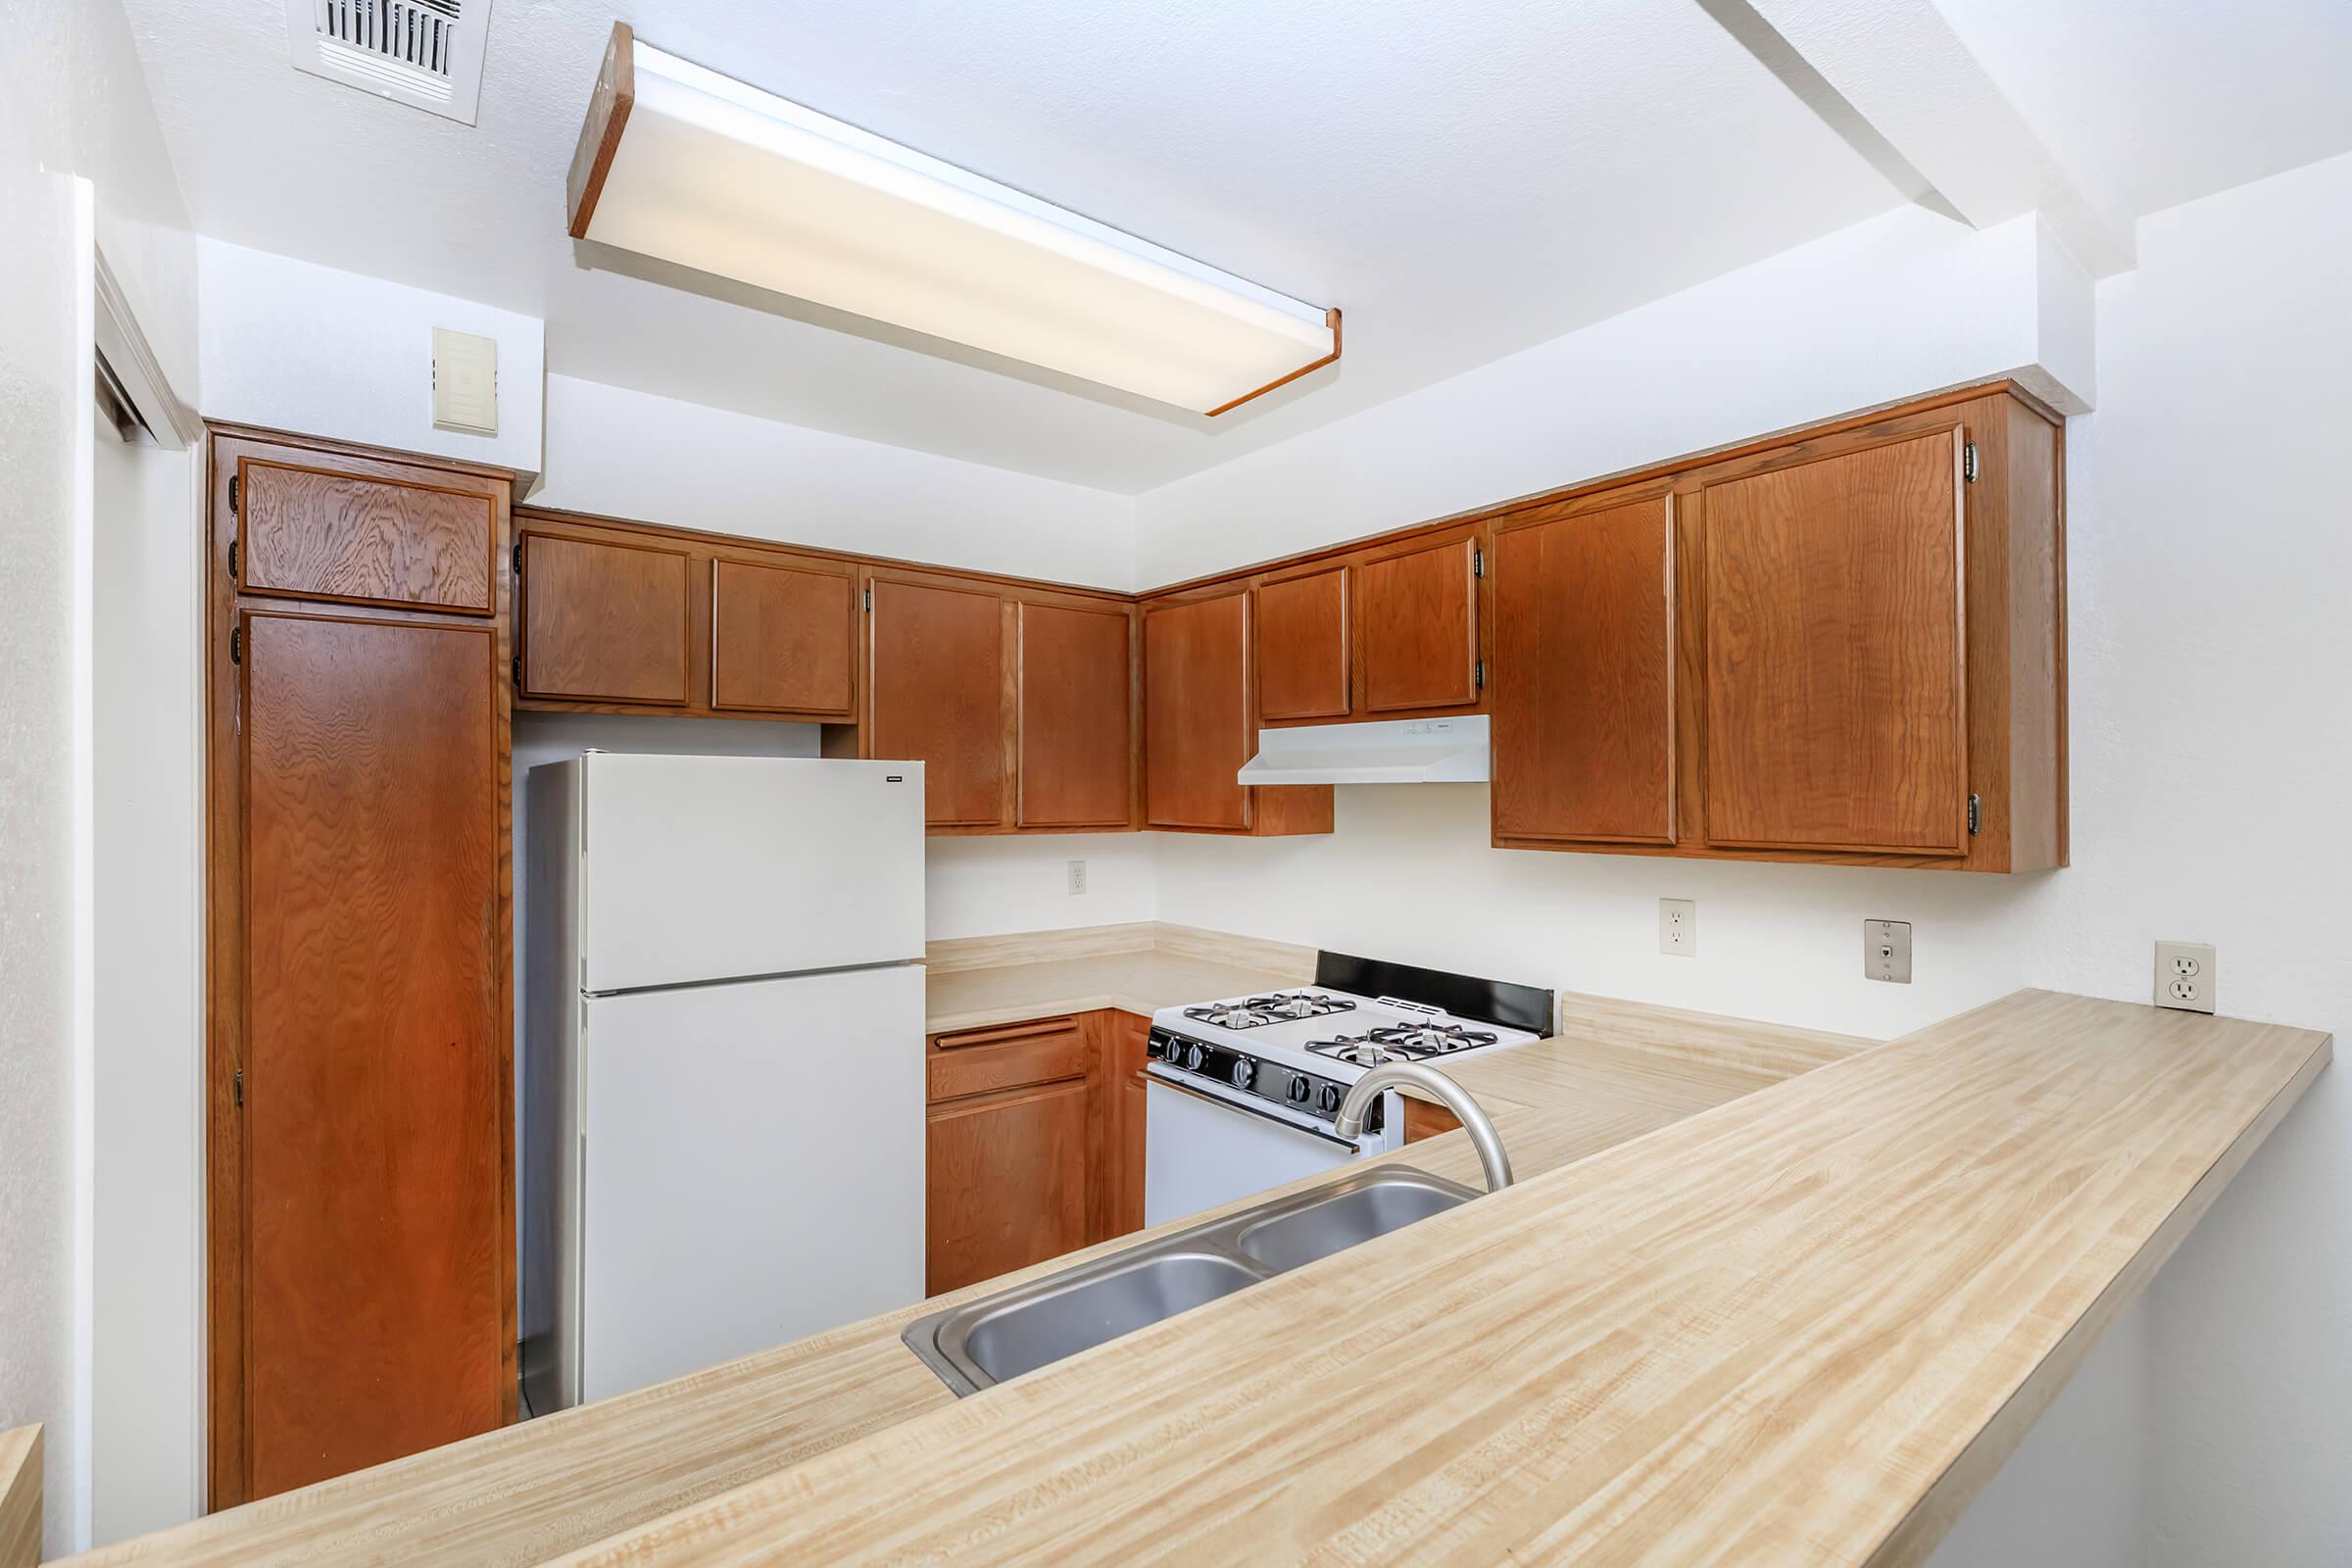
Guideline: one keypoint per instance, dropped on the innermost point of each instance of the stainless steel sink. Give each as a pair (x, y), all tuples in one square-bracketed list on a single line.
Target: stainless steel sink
[(997, 1336), (1349, 1220)]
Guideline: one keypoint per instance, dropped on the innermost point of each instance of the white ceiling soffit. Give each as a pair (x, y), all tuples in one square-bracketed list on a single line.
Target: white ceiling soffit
[(426, 54)]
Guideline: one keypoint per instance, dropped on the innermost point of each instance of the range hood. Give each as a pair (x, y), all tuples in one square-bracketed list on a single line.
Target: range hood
[(1401, 751)]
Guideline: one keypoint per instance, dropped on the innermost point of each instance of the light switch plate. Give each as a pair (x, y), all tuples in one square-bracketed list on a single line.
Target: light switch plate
[(1677, 927), (2186, 976), (1887, 951), (465, 382)]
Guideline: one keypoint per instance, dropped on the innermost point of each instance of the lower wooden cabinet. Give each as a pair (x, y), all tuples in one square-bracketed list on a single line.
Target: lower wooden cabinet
[(1036, 1143)]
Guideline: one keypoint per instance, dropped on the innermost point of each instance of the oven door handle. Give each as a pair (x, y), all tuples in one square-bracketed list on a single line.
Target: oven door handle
[(1236, 1107)]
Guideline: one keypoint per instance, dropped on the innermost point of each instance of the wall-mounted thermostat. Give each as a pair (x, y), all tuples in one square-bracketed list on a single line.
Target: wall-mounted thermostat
[(465, 382)]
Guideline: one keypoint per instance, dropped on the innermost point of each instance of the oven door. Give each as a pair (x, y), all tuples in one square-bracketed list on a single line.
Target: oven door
[(1201, 1151)]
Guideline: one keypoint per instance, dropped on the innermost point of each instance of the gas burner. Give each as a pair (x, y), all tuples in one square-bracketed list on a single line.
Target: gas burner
[(1430, 1039), (1362, 1050), (1255, 1012)]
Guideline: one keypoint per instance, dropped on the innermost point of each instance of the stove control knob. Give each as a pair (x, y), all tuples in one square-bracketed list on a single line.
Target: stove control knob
[(1300, 1089), (1193, 1058), (1327, 1100), (1245, 1072)]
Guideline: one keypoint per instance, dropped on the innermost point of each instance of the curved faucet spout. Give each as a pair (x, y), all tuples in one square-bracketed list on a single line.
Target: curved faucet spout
[(1350, 1123)]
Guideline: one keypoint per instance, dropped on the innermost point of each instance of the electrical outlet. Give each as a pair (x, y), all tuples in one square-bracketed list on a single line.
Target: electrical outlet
[(1077, 876), (1887, 951), (1677, 927), (2185, 976)]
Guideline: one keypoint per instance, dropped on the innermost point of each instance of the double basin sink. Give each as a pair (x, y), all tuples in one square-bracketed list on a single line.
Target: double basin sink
[(997, 1336)]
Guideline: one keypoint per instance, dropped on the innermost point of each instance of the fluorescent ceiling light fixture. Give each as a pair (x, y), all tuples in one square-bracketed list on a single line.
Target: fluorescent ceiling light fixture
[(681, 164)]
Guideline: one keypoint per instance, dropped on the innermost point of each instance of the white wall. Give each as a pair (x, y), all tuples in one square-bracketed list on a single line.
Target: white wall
[(81, 167), (632, 455), (147, 1351), (977, 886), (290, 345), (1903, 304)]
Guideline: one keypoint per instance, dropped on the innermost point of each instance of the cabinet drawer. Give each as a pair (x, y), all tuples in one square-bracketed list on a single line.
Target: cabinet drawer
[(978, 1061)]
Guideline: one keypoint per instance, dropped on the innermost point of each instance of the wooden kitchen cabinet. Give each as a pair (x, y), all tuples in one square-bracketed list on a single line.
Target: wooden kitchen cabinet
[(1125, 1112), (1075, 715), (938, 690), (783, 636), (1583, 695), (1417, 617), (359, 1227), (1197, 728), (1844, 647), (1011, 1148), (1303, 669), (1835, 663), (605, 621), (365, 532)]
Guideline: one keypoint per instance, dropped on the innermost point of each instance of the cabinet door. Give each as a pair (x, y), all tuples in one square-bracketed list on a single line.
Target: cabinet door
[(603, 623), (1197, 731), (1417, 626), (1006, 1177), (783, 639), (1303, 645), (319, 533), (1123, 1038), (1076, 729), (377, 1247), (1835, 713), (938, 694), (1584, 677)]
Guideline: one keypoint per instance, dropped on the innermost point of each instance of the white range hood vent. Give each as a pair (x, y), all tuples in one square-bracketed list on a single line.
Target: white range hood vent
[(1400, 751)]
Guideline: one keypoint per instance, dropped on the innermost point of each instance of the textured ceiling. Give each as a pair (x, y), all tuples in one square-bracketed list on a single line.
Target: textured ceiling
[(1465, 179)]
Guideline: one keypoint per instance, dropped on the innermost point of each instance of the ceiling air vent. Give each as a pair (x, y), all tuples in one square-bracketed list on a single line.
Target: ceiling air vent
[(425, 53)]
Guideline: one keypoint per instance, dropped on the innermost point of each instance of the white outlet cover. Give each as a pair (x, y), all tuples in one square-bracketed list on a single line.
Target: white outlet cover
[(1677, 927), (2186, 976), (1077, 876)]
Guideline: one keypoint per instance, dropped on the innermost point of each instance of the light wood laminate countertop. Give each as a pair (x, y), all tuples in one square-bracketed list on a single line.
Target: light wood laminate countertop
[(1721, 1318)]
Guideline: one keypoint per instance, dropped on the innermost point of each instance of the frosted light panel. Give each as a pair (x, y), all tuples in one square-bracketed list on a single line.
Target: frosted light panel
[(724, 178)]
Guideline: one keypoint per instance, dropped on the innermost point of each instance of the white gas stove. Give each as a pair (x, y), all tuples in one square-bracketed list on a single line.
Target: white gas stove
[(1245, 1089)]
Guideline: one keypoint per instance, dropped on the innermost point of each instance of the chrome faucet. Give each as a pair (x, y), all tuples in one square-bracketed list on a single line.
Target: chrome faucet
[(1350, 1123)]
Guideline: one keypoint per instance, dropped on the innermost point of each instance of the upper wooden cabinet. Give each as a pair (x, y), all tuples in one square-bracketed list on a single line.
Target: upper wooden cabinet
[(1074, 714), (783, 637), (1843, 646), (1197, 730), (1836, 670), (367, 532), (1302, 645), (939, 692), (603, 621), (1582, 694), (1418, 616)]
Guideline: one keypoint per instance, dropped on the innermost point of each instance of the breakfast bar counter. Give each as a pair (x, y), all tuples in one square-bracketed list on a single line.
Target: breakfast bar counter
[(1727, 1314)]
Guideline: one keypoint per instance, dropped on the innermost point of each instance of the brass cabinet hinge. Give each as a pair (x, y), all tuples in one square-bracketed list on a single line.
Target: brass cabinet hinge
[(1967, 463)]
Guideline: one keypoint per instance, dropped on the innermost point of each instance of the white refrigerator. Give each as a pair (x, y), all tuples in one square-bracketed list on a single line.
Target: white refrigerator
[(722, 1062)]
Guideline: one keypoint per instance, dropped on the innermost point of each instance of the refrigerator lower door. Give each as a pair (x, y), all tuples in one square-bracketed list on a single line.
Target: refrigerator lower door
[(697, 869), (753, 1169)]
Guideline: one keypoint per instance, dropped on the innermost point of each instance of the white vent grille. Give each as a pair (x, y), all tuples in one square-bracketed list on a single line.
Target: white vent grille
[(428, 53)]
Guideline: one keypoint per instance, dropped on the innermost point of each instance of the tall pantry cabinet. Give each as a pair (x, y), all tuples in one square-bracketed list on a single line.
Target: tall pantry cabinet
[(359, 1080)]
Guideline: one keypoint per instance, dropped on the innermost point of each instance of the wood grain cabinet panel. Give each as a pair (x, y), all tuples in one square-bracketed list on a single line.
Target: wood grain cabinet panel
[(1836, 672), (1006, 1182), (1126, 1110), (1303, 645), (377, 1244), (1196, 730), (1417, 625), (783, 639), (938, 693), (316, 533), (1075, 713), (1583, 675), (603, 623)]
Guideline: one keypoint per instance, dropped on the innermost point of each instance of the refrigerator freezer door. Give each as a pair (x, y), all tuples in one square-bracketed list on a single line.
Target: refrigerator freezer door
[(724, 867), (753, 1168)]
